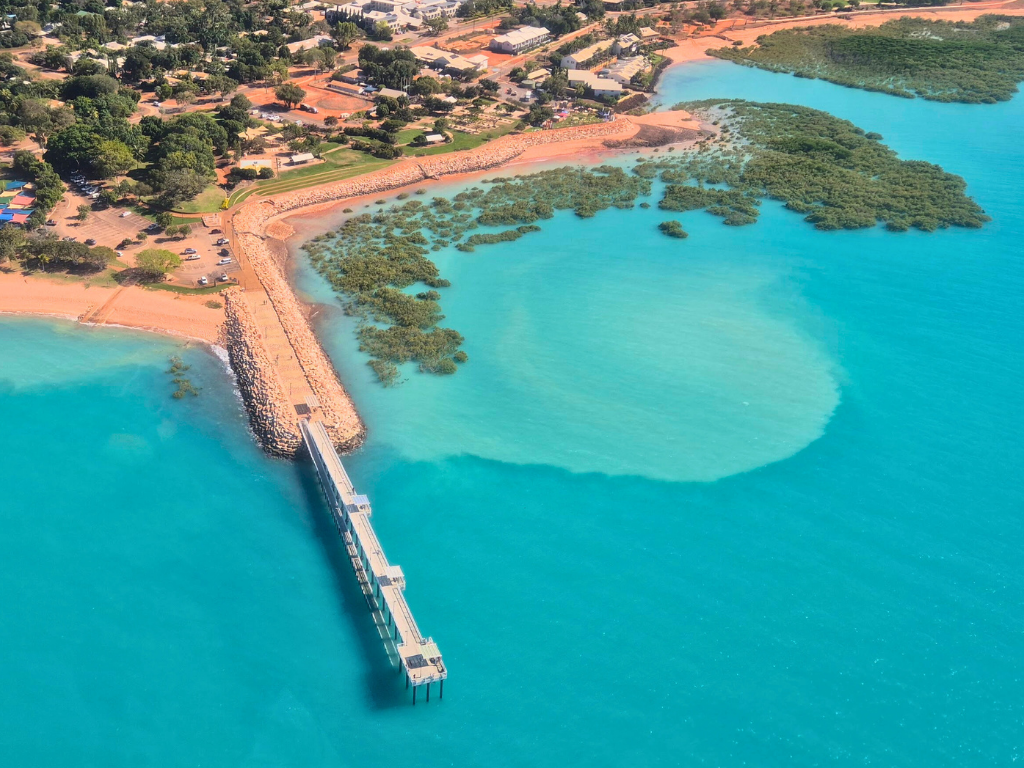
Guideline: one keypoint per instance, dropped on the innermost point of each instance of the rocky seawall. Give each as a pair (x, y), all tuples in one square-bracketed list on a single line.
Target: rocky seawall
[(272, 415)]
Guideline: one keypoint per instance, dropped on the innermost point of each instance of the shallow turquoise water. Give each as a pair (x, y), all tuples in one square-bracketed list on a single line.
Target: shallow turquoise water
[(748, 498)]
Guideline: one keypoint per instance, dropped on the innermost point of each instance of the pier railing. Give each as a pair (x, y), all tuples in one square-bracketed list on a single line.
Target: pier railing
[(383, 584)]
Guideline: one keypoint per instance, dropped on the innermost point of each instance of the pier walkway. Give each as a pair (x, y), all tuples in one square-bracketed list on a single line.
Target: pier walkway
[(382, 583)]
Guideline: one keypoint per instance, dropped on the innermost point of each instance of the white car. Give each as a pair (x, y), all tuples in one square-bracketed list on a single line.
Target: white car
[(126, 214), (192, 257), (203, 280), (222, 241), (222, 262), (223, 278), (157, 104)]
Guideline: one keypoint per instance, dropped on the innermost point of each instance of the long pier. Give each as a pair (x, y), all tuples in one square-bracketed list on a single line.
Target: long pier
[(382, 583)]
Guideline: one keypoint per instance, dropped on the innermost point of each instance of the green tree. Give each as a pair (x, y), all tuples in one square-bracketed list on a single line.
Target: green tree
[(179, 185), (438, 25), (112, 159), (164, 220), (345, 32), (290, 94), (11, 239), (83, 212), (154, 263), (329, 56), (382, 31)]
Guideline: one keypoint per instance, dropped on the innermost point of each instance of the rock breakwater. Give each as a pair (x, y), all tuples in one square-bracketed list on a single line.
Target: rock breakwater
[(270, 416)]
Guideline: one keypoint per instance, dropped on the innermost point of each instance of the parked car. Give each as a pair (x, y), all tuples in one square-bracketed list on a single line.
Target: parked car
[(222, 262), (203, 280), (125, 214), (70, 238), (91, 241), (190, 250), (193, 257), (157, 104), (51, 223), (223, 278), (222, 241)]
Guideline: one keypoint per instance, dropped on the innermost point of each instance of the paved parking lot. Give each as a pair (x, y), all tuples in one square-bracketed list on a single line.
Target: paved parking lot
[(107, 227), (110, 226)]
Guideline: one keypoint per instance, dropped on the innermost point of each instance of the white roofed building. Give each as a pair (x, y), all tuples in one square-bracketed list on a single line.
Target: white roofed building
[(623, 70), (601, 86), (582, 56), (312, 42), (522, 39)]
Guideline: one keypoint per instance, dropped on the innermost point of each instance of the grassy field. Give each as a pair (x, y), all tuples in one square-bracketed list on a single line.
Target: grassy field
[(208, 201), (339, 164), (461, 141)]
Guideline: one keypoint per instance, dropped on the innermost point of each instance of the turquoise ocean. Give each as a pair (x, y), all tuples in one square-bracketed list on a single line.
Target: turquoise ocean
[(748, 499)]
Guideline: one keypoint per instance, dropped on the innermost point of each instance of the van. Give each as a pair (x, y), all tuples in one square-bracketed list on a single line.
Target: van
[(224, 261), (193, 257)]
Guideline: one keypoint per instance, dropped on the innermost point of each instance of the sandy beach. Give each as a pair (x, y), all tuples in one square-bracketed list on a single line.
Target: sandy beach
[(145, 309)]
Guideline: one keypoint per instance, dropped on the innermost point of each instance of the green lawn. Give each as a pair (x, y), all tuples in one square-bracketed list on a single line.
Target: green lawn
[(339, 164), (461, 141), (208, 201), (404, 137)]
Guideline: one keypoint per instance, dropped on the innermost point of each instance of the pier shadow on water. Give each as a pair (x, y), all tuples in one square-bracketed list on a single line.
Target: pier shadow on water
[(383, 681)]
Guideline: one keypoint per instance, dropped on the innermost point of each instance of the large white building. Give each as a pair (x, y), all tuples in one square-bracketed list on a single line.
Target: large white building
[(443, 60), (398, 13), (522, 39)]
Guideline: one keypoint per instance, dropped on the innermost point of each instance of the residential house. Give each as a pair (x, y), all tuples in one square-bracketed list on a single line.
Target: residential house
[(584, 55)]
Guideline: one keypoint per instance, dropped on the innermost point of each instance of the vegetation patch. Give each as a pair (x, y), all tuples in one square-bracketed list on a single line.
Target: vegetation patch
[(372, 258), (185, 386), (973, 62), (828, 169), (673, 229)]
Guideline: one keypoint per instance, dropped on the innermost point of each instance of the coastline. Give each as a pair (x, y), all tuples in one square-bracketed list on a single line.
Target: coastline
[(170, 314), (279, 363)]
